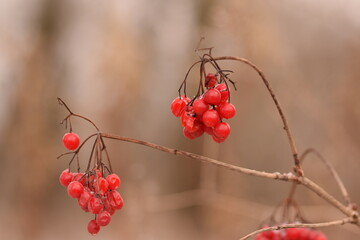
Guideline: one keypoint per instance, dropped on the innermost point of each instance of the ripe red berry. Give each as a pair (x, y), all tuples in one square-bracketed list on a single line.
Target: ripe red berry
[(222, 130), (210, 80), (66, 177), (115, 200), (71, 141), (179, 105), (226, 110), (321, 236), (79, 177), (75, 189), (212, 96), (224, 91), (293, 233), (192, 134), (209, 130), (113, 181), (93, 227), (103, 218), (95, 205), (211, 118), (200, 106), (83, 200), (101, 186)]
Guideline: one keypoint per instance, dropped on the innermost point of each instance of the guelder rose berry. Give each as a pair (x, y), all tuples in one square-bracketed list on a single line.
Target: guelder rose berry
[(95, 205), (210, 80), (224, 91), (115, 200), (103, 218), (212, 96), (210, 118), (113, 181), (179, 105), (66, 177), (93, 227), (226, 110), (71, 141), (200, 106), (75, 189)]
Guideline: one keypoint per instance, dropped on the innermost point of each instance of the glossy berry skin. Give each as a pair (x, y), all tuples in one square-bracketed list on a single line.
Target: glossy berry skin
[(75, 189), (113, 181), (192, 134), (212, 96), (66, 177), (71, 141), (95, 205), (210, 80), (178, 105), (222, 130), (93, 227), (103, 218), (211, 118), (224, 91), (79, 177), (200, 106), (115, 200), (293, 233), (226, 110), (83, 200)]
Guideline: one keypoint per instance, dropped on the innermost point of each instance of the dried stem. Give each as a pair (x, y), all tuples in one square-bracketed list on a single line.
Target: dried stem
[(301, 225), (276, 176)]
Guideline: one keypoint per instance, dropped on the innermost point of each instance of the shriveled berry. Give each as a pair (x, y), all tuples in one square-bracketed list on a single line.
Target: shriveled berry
[(226, 110), (101, 186), (115, 200), (212, 96), (71, 141), (200, 106), (95, 205), (75, 189), (103, 218), (93, 227), (193, 134), (210, 80), (83, 200), (224, 91), (178, 105), (113, 181), (196, 127), (211, 118), (66, 177)]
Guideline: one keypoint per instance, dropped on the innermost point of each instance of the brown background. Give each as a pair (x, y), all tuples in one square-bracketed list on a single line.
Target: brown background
[(120, 63)]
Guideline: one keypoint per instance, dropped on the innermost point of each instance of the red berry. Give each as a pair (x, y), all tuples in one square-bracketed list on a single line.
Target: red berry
[(71, 141), (179, 105), (107, 206), (93, 227), (193, 134), (212, 96), (224, 91), (200, 106), (113, 181), (101, 186), (75, 189), (226, 110), (218, 140), (196, 127), (222, 130), (115, 200), (83, 200), (103, 218), (79, 177), (209, 130), (95, 205), (210, 118), (293, 233), (66, 177), (321, 236), (210, 80)]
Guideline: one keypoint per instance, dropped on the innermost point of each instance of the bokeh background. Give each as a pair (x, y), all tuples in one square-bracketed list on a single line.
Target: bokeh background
[(120, 63)]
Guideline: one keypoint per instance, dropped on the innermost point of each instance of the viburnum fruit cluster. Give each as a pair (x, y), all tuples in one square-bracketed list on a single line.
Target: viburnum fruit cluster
[(205, 113), (291, 234), (95, 194)]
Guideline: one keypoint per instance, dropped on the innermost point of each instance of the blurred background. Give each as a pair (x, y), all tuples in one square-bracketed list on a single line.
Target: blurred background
[(121, 62)]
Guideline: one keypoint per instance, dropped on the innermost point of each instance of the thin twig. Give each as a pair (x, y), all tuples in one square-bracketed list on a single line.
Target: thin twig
[(300, 225)]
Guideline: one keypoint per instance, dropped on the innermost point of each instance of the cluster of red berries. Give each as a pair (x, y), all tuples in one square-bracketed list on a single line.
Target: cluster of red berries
[(205, 112), (95, 194), (291, 234)]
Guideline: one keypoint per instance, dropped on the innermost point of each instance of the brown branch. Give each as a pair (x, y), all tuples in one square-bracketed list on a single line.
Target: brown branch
[(301, 225), (292, 143), (276, 176), (333, 172)]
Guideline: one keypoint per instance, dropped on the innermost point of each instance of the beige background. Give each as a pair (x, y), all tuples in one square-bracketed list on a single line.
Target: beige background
[(121, 62)]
